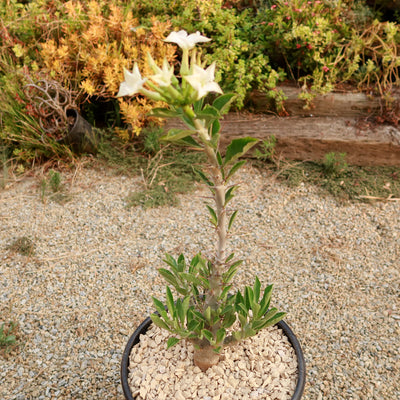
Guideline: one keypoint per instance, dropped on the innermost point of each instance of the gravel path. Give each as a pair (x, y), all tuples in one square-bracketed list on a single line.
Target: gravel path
[(336, 270)]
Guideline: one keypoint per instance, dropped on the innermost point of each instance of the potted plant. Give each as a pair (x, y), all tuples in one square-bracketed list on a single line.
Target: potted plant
[(207, 312)]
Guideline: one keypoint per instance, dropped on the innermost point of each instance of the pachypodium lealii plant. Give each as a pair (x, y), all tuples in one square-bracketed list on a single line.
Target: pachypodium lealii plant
[(206, 311)]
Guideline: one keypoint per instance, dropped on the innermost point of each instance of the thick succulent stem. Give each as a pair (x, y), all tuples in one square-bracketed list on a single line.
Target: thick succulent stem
[(220, 192), (205, 357)]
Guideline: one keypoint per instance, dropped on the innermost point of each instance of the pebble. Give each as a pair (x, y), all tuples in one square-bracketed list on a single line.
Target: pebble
[(89, 283)]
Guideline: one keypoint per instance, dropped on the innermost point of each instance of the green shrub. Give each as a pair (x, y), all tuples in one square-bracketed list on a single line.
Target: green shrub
[(322, 44), (82, 45)]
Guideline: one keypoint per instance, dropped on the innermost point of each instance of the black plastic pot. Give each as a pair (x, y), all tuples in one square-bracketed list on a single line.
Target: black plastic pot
[(142, 329), (80, 136)]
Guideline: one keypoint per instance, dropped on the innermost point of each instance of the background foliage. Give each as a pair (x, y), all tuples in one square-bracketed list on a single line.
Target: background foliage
[(84, 45)]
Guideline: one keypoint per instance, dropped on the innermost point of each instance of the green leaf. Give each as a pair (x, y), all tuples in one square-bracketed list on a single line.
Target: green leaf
[(195, 291), (193, 325), (203, 177), (181, 263), (227, 310), (199, 316), (256, 310), (188, 121), (209, 114), (228, 275), (230, 257), (219, 158), (229, 320), (160, 308), (229, 194), (205, 283), (190, 142), (256, 289), (241, 309), (195, 260), (242, 320), (225, 291), (214, 218), (159, 322), (259, 324), (249, 331), (189, 316), (208, 335), (271, 313), (239, 147), (222, 103), (277, 317), (231, 219), (235, 168), (207, 314), (172, 341), (191, 278), (197, 106), (171, 262), (264, 323), (215, 128), (265, 301), (239, 298), (237, 336), (179, 311), (248, 297), (164, 113), (209, 110), (170, 303), (169, 277), (221, 333), (10, 339), (217, 349), (175, 135)]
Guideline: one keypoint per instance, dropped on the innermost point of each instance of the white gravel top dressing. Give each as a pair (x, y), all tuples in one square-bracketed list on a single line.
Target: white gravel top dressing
[(261, 367), (78, 298)]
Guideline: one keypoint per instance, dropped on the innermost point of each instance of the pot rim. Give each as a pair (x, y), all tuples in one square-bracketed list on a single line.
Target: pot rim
[(142, 328)]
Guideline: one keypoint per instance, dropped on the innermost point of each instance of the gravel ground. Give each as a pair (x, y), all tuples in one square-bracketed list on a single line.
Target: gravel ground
[(336, 270)]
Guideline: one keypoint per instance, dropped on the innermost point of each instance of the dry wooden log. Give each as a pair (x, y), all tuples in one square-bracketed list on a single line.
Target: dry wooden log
[(300, 138), (334, 104)]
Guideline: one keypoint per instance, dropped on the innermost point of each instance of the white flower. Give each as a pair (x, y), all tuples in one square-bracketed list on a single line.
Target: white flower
[(164, 75), (202, 80), (133, 82), (185, 41)]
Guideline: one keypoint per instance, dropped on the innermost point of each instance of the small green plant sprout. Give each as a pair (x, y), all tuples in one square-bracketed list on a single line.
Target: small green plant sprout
[(335, 164), (55, 181), (51, 187), (207, 311), (7, 335), (267, 150)]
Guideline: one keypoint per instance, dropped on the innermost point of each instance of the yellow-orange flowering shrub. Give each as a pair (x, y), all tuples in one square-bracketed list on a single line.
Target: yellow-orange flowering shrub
[(97, 41)]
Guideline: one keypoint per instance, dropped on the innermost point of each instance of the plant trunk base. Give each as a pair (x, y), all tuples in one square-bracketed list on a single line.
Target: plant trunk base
[(205, 358)]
